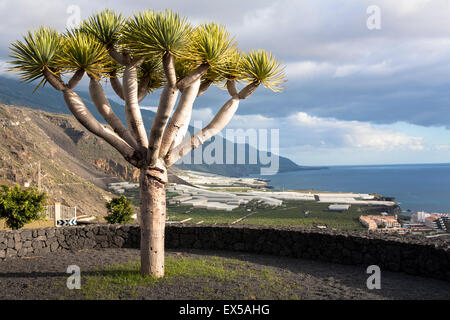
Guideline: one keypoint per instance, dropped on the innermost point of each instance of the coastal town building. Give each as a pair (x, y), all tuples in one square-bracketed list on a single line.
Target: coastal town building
[(434, 221), (383, 223)]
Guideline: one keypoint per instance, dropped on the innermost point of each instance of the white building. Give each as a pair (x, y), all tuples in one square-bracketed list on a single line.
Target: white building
[(338, 207), (419, 216)]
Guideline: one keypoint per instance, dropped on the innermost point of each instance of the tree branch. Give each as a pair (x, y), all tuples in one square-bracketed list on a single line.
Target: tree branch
[(231, 87), (142, 88), (116, 85), (118, 89), (76, 78), (55, 81), (130, 92), (169, 69), (104, 108), (82, 114), (248, 90), (178, 124), (166, 104), (118, 57), (204, 86), (193, 76)]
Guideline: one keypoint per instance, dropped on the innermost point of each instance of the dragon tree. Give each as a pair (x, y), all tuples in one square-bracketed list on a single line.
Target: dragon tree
[(137, 56)]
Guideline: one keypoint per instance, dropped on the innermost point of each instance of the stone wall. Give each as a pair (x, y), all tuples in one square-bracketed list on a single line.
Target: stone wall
[(411, 254)]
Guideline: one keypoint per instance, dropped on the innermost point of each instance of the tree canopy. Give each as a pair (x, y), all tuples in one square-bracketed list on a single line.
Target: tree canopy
[(147, 35)]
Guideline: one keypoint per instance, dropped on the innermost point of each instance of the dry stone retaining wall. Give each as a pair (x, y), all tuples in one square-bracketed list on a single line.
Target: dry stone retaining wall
[(411, 254)]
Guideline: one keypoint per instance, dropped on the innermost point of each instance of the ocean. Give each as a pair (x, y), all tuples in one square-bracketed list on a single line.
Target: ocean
[(416, 187)]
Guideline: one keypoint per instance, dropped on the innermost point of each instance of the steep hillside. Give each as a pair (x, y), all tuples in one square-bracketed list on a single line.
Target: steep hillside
[(75, 165), (69, 173), (13, 92)]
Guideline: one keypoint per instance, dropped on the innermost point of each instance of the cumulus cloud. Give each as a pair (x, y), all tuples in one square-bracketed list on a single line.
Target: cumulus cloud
[(334, 133), (304, 130), (305, 70), (308, 69)]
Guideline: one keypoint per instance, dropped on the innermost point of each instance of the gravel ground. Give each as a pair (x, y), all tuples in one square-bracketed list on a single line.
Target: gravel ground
[(45, 278)]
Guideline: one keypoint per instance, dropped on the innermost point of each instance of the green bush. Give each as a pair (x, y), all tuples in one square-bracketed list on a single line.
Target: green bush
[(120, 210), (20, 207)]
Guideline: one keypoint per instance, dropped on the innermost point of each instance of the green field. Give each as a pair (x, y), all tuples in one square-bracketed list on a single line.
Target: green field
[(290, 214)]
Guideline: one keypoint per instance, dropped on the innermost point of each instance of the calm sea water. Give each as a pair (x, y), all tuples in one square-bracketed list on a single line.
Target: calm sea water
[(416, 187)]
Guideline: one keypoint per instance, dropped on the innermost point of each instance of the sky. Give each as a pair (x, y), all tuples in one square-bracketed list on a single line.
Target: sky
[(355, 94)]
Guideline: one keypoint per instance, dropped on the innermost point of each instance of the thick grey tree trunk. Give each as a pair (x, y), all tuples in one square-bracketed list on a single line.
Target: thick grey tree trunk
[(152, 220)]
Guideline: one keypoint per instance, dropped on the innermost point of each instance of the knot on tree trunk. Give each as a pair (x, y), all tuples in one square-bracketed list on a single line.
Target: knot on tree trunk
[(138, 158), (156, 175)]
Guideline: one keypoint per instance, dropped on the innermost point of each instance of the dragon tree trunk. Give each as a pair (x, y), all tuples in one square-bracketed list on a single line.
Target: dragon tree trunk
[(153, 219)]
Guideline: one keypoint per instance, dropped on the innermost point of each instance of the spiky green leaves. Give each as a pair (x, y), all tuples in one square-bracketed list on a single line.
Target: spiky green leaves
[(152, 33), (260, 66), (36, 52), (151, 69), (45, 49), (210, 44), (105, 26), (183, 67), (229, 69), (82, 51)]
